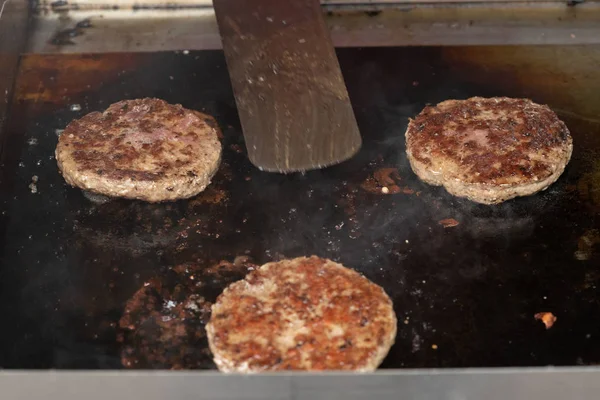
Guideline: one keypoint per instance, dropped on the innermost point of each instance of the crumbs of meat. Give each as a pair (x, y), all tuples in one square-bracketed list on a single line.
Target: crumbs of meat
[(210, 195), (586, 245), (449, 222), (33, 184), (547, 318), (386, 181)]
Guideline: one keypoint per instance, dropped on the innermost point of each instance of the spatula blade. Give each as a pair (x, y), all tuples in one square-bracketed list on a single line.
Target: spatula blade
[(291, 97)]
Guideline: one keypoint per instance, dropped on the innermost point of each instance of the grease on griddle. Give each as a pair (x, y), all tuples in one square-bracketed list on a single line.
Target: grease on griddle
[(586, 244), (211, 195), (163, 324), (33, 184), (386, 181), (588, 186)]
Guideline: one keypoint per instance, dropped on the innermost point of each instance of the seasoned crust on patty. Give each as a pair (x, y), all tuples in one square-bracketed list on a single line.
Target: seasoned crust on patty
[(142, 149), (488, 149), (301, 314)]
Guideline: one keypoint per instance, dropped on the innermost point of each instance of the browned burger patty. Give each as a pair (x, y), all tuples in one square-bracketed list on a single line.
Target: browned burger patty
[(488, 150), (301, 314), (142, 149)]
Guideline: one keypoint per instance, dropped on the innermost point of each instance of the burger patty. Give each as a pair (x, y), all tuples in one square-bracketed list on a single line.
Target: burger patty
[(142, 149), (301, 314), (488, 150)]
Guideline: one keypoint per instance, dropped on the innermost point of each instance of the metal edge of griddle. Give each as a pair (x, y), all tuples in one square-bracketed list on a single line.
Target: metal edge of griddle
[(489, 384), (14, 19), (134, 26)]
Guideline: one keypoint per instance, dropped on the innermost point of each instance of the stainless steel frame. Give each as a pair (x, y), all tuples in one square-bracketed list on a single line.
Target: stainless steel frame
[(152, 25), (497, 384), (132, 26)]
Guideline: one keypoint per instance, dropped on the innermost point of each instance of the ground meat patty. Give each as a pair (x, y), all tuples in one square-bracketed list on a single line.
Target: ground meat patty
[(301, 314), (488, 150), (142, 149)]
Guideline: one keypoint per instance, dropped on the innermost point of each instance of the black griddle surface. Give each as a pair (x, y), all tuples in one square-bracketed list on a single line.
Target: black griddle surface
[(465, 296)]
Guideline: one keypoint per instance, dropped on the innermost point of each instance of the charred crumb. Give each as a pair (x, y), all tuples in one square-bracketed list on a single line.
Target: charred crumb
[(449, 222), (33, 184), (385, 181), (547, 318)]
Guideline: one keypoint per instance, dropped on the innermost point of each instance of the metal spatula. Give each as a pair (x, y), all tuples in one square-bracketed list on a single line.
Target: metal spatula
[(289, 90)]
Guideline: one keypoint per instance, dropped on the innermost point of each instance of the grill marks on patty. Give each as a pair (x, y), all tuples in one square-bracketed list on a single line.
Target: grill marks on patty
[(505, 134), (306, 314), (141, 149), (147, 130), (495, 142)]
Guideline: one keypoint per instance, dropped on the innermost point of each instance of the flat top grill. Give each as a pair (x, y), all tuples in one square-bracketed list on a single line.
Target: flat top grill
[(465, 295)]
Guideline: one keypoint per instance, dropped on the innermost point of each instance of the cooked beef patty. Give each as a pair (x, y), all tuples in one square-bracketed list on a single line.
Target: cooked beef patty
[(142, 149), (488, 150), (301, 314)]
